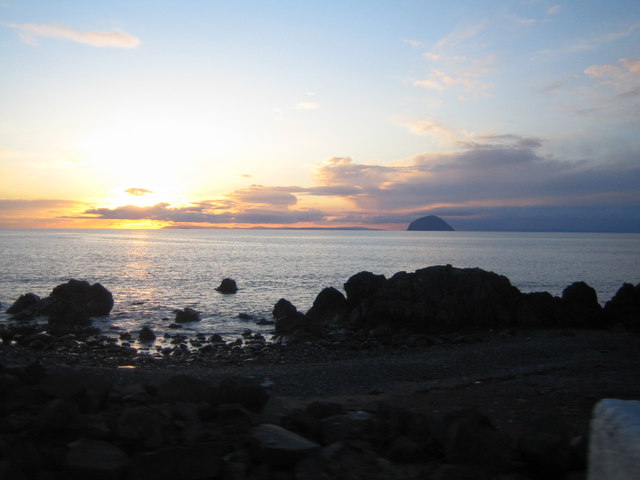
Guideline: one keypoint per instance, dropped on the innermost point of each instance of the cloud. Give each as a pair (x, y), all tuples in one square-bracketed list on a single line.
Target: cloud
[(306, 106), (632, 64), (205, 213), (459, 73), (632, 92), (499, 181), (256, 204), (461, 35), (20, 213), (413, 43), (29, 33), (594, 42), (554, 87), (261, 195), (624, 78), (430, 128), (554, 10), (497, 171), (138, 192)]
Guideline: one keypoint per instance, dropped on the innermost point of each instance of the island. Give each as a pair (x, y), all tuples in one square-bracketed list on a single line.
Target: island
[(430, 223)]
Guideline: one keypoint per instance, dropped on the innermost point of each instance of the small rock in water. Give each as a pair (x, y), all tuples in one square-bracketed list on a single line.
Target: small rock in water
[(187, 315), (146, 334), (228, 285)]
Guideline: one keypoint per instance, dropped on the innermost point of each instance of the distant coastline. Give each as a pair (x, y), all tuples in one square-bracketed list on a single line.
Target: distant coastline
[(196, 227)]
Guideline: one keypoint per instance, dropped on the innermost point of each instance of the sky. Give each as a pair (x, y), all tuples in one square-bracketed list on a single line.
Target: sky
[(511, 115)]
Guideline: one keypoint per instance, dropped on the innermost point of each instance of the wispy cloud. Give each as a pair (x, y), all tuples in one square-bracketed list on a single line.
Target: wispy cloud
[(413, 43), (623, 77), (594, 42), (459, 63), (555, 86), (30, 33), (461, 35), (554, 10), (429, 128), (138, 192)]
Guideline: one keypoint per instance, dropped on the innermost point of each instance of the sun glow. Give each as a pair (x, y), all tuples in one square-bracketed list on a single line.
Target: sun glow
[(156, 154)]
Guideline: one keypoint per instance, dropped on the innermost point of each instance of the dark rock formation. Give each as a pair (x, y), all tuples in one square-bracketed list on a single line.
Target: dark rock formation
[(363, 285), (445, 299), (328, 308), (228, 285), (69, 307), (539, 309), (440, 298), (91, 300), (624, 307), (581, 303), (24, 302), (430, 223), (288, 319), (187, 315)]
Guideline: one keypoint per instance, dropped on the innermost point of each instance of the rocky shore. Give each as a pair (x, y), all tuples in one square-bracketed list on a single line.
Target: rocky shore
[(443, 373)]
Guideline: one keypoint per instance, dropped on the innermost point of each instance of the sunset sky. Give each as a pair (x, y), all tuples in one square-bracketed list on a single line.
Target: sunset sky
[(493, 114)]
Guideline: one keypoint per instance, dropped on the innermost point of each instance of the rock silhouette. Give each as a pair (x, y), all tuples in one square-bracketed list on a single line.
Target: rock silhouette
[(430, 223), (441, 299), (228, 285)]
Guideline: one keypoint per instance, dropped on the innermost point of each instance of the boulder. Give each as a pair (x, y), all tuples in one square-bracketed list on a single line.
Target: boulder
[(146, 334), (581, 302), (247, 392), (142, 427), (471, 439), (92, 300), (439, 298), (283, 308), (185, 388), (228, 285), (624, 307), (348, 426), (280, 447), (363, 285), (329, 310), (540, 309), (187, 315), (23, 303), (289, 320)]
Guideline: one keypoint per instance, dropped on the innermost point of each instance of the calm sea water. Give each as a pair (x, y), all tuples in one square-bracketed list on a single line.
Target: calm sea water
[(153, 272)]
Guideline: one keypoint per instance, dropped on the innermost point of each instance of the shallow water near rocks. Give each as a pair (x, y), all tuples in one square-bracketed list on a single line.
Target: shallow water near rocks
[(153, 272)]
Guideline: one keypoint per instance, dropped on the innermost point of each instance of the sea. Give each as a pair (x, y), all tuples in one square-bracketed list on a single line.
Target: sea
[(151, 273)]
